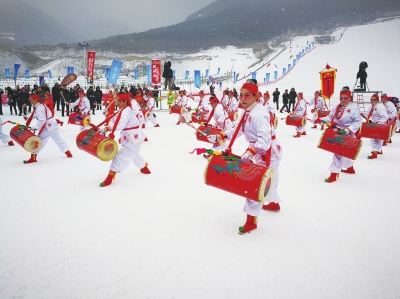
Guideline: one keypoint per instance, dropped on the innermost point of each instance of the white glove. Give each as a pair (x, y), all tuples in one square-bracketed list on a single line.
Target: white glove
[(246, 157), (102, 131), (212, 138)]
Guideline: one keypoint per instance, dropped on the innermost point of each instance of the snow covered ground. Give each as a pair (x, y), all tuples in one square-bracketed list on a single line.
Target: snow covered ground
[(168, 235)]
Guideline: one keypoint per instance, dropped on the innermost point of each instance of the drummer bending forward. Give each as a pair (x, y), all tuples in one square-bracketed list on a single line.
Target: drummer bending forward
[(345, 116), (131, 138), (83, 107), (300, 110), (47, 127), (376, 114), (264, 149)]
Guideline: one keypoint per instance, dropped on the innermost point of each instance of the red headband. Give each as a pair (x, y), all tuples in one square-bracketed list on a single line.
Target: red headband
[(35, 96), (346, 93), (253, 88), (375, 96), (214, 100)]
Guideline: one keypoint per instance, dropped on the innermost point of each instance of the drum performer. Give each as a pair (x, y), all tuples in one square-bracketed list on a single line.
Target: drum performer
[(346, 117), (376, 114), (300, 109), (3, 137), (263, 148), (149, 103), (317, 104), (82, 107), (132, 136), (391, 112), (270, 108), (181, 101), (221, 120), (232, 106), (46, 126), (203, 105)]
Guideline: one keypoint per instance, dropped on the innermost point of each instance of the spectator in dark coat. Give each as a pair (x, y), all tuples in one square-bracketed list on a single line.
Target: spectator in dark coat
[(1, 101), (92, 98), (285, 100), (292, 98), (23, 100), (98, 94), (12, 100), (56, 96), (212, 88), (275, 95), (64, 96)]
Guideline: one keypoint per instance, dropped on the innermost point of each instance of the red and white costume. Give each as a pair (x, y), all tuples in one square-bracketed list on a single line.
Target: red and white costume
[(149, 104), (261, 137), (317, 104), (377, 114), (344, 117), (300, 109), (83, 105), (46, 126), (203, 104), (131, 138), (3, 137), (222, 121)]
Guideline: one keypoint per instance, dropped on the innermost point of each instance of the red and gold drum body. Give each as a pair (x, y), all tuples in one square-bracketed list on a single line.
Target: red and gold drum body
[(77, 119), (146, 113), (323, 113), (394, 126), (241, 178), (340, 144), (177, 109), (295, 120), (233, 116), (203, 131), (376, 131), (199, 116), (275, 121), (25, 138), (97, 145)]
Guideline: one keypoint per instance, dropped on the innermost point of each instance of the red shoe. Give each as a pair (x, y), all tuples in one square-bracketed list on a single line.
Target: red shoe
[(146, 139), (272, 206), (32, 159), (157, 126), (322, 127), (390, 140), (373, 156), (398, 131), (178, 122), (145, 170), (297, 135), (110, 177), (314, 127), (333, 177), (69, 154), (349, 170), (143, 126), (249, 226), (385, 143), (59, 122), (379, 153), (304, 133), (10, 143)]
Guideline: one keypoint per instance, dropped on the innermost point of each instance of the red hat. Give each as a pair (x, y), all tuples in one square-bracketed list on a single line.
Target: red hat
[(375, 96), (213, 99), (266, 93), (230, 93), (150, 93), (35, 97), (81, 93), (345, 92), (125, 97), (316, 93), (201, 92), (384, 96), (300, 94), (253, 88)]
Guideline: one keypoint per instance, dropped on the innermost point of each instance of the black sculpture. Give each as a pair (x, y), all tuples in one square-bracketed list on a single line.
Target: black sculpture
[(362, 75)]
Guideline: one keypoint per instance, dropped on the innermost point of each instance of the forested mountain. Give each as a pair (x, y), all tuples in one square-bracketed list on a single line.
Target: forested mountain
[(240, 23)]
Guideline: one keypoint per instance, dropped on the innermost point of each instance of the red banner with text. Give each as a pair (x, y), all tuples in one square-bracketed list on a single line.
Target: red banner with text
[(91, 55), (156, 71), (328, 78)]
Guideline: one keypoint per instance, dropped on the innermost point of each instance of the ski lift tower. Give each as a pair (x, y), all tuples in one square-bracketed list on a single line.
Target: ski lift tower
[(84, 45)]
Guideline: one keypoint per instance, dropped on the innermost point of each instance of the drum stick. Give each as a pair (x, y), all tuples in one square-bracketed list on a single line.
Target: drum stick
[(197, 129)]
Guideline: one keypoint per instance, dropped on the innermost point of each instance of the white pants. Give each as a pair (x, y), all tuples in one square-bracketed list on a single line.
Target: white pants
[(340, 162), (55, 135), (3, 137), (127, 153), (300, 129), (152, 119), (376, 145), (252, 207)]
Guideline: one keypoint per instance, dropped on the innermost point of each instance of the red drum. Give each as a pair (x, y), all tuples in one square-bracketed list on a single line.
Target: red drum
[(323, 113), (97, 145), (296, 120), (340, 144), (376, 131), (241, 178), (234, 115), (203, 131), (177, 109), (77, 119), (199, 116), (146, 113), (25, 138)]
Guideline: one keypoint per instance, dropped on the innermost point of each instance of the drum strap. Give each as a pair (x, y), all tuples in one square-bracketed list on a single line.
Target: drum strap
[(117, 121), (338, 113), (211, 115), (370, 113)]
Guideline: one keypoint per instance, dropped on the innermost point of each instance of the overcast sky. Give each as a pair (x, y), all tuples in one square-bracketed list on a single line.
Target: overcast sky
[(103, 18)]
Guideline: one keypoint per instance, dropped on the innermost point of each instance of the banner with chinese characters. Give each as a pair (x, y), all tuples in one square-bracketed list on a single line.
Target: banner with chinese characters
[(91, 55), (328, 78), (156, 71)]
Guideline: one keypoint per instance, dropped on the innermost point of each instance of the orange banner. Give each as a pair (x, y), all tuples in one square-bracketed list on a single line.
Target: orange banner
[(328, 78)]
